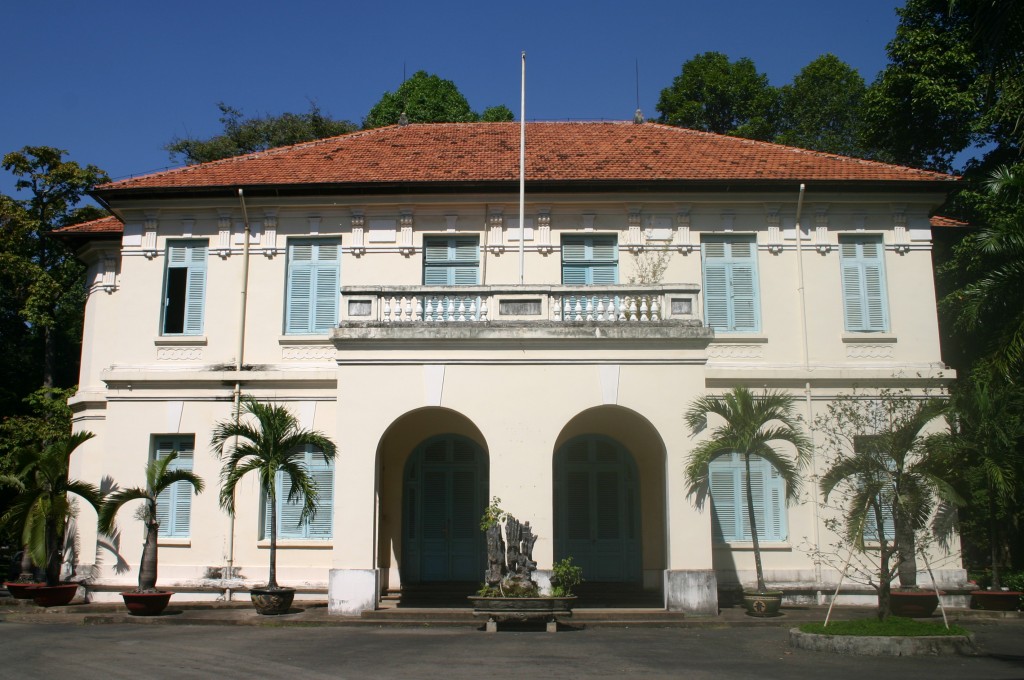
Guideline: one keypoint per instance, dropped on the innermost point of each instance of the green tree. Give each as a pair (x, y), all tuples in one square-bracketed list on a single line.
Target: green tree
[(924, 108), (423, 98), (990, 263), (716, 95), (883, 467), (42, 294), (497, 114), (249, 135), (41, 509), (159, 479), (821, 109), (988, 435), (266, 439), (754, 425)]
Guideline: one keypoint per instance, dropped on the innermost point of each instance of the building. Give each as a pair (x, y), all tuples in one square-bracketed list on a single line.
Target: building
[(389, 295)]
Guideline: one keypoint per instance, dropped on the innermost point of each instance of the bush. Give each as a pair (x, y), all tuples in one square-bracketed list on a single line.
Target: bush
[(894, 626), (564, 577)]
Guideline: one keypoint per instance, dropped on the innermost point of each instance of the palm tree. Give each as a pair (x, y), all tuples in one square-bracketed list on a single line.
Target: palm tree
[(991, 303), (42, 507), (271, 443), (897, 472), (753, 426), (988, 428), (158, 479)]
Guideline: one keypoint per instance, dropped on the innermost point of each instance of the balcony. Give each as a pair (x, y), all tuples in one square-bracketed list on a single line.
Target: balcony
[(612, 305), (506, 320)]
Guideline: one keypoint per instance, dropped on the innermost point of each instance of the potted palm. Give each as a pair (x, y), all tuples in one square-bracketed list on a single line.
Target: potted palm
[(987, 425), (161, 474), (892, 478), (42, 510), (753, 426), (266, 439)]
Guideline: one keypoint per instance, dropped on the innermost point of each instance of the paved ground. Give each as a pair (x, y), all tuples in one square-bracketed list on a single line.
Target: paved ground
[(210, 643), (133, 651)]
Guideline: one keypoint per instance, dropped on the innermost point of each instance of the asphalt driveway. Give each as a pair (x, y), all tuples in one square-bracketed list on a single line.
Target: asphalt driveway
[(186, 651)]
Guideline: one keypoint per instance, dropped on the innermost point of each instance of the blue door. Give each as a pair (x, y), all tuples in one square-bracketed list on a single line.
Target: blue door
[(597, 509), (444, 496)]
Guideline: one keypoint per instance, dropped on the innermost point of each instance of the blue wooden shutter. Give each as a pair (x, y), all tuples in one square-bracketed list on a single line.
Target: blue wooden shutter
[(730, 284), (313, 286), (174, 504), (723, 499), (195, 298), (865, 307), (289, 513), (451, 261), (590, 260)]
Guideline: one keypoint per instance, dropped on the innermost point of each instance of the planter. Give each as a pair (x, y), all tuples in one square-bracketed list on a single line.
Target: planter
[(54, 596), (503, 609), (21, 590), (146, 604), (914, 604), (272, 601), (996, 600), (763, 604)]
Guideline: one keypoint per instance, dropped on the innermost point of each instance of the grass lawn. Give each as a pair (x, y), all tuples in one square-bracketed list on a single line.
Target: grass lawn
[(894, 626)]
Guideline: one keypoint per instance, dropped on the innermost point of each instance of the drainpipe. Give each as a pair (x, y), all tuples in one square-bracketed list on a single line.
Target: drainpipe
[(239, 363), (805, 350)]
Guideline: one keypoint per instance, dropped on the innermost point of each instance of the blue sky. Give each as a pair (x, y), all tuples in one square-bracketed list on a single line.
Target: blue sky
[(113, 81)]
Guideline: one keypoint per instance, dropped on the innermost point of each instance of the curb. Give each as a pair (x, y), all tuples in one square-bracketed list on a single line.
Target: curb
[(939, 645)]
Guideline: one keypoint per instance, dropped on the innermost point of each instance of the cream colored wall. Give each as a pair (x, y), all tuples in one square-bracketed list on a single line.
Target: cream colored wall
[(512, 400)]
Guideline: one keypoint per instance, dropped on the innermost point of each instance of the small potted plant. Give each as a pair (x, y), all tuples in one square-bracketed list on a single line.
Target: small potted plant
[(146, 600)]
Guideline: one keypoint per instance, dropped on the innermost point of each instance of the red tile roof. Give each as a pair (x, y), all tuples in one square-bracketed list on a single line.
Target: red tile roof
[(104, 226), (942, 221), (559, 152)]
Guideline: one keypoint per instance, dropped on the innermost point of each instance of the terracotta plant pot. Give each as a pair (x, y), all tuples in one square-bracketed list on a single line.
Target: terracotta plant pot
[(272, 601), (21, 590), (915, 604), (762, 604), (146, 604), (996, 600), (54, 596)]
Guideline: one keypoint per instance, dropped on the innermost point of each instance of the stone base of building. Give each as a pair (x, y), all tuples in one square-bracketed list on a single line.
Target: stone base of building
[(692, 591), (352, 591)]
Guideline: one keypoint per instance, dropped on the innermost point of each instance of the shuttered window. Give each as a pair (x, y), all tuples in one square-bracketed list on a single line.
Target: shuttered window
[(729, 517), (590, 260), (731, 301), (289, 524), (451, 261), (885, 499), (865, 307), (314, 280), (184, 288), (174, 504)]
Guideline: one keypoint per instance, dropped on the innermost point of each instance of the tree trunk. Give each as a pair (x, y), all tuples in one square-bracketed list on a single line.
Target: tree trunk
[(53, 554), (148, 565), (272, 581), (27, 570), (993, 539), (761, 587), (49, 359), (906, 545)]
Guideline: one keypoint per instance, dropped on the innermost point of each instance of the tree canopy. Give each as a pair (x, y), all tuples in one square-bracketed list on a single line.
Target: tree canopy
[(249, 135), (820, 110), (714, 94), (423, 98)]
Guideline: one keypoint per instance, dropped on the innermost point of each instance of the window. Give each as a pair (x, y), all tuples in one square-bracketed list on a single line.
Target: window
[(590, 260), (289, 514), (864, 298), (885, 498), (451, 261), (729, 516), (174, 504), (314, 280), (730, 284), (184, 288)]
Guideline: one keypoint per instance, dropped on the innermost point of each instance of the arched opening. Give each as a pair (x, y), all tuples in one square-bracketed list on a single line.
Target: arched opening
[(609, 498), (432, 487)]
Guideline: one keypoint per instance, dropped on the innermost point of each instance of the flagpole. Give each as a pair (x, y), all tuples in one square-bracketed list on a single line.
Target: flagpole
[(522, 175)]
